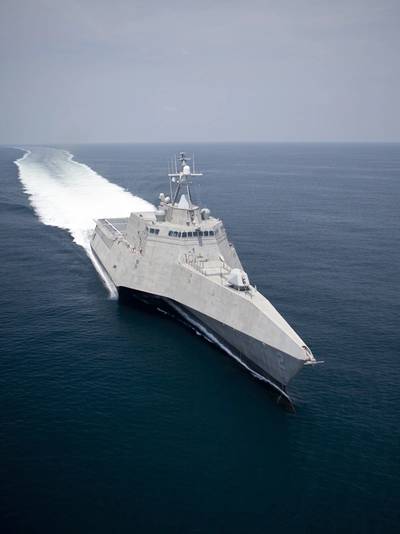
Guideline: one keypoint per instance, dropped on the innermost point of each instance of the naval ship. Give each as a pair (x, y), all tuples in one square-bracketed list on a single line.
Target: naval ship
[(178, 257)]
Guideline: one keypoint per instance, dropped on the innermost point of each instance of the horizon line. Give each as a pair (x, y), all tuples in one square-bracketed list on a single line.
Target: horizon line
[(308, 142)]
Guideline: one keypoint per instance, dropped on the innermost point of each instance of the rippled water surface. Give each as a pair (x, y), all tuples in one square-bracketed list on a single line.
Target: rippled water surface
[(114, 419)]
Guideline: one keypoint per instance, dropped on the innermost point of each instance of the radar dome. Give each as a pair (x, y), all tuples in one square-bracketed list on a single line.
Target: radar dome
[(238, 279), (205, 213)]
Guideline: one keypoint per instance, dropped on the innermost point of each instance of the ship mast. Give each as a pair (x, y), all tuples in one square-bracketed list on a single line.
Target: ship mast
[(181, 180)]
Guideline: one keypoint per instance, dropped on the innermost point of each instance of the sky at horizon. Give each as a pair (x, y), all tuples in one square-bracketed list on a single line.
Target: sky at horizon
[(148, 71)]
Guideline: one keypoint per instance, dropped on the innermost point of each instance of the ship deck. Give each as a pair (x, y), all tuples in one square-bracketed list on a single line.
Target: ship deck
[(117, 227), (216, 270)]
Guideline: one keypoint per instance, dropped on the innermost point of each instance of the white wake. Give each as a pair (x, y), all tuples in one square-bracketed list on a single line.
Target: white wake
[(71, 195)]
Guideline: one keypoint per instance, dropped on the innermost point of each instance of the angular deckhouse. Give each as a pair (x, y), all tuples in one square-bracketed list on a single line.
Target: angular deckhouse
[(180, 255)]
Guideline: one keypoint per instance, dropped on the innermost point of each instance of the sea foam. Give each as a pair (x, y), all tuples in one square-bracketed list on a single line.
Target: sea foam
[(71, 195)]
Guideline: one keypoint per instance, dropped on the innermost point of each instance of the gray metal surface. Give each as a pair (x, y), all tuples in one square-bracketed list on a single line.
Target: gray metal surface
[(181, 253)]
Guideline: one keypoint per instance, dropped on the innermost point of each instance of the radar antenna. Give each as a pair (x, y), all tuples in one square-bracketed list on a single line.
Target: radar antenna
[(182, 179)]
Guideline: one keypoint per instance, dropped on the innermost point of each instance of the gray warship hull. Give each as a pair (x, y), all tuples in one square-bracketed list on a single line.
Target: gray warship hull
[(181, 256), (190, 274)]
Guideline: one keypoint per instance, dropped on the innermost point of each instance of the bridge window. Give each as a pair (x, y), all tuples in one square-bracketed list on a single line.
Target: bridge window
[(195, 233)]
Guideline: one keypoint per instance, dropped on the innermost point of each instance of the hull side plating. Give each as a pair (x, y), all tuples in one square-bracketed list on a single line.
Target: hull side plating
[(214, 332)]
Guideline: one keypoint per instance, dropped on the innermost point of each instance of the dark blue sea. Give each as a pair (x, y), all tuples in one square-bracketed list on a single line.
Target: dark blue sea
[(117, 419)]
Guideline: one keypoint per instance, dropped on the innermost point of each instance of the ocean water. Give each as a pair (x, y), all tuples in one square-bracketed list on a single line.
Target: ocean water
[(117, 419)]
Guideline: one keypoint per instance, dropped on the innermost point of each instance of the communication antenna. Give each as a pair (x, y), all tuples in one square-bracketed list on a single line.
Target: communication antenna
[(182, 178)]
